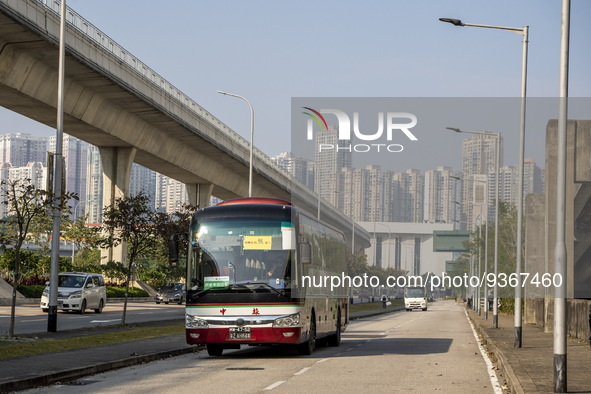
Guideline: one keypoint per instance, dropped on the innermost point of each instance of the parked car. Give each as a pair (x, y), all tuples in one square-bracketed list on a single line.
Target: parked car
[(172, 292), (77, 291)]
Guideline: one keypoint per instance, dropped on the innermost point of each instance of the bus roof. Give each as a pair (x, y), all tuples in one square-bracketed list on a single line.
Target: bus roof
[(255, 200)]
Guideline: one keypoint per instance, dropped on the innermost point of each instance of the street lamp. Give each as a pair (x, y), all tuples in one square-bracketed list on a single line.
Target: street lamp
[(524, 31), (251, 137), (496, 266)]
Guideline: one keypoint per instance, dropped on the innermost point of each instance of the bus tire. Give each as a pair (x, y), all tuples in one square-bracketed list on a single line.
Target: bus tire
[(335, 339), (308, 347), (214, 350)]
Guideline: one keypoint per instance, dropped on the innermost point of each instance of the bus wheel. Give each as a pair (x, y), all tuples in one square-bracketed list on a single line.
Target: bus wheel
[(335, 339), (307, 347), (215, 350)]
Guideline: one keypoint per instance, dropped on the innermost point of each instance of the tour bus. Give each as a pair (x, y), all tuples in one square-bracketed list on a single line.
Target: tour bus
[(415, 298), (247, 261)]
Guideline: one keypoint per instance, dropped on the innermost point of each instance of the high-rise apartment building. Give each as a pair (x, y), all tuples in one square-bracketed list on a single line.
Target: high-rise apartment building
[(33, 172), (365, 194), (19, 149), (478, 158), (442, 196), (74, 152), (329, 162), (94, 186), (170, 194), (408, 194), (299, 167), (143, 180)]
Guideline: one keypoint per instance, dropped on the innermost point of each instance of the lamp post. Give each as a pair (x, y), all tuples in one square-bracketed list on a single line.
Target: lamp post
[(496, 265), (560, 256), (57, 177), (251, 137), (479, 257), (524, 31)]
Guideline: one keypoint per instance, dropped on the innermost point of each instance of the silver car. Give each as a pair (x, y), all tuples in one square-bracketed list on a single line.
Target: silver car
[(77, 291)]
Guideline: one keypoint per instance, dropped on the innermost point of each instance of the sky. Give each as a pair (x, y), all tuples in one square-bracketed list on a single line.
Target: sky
[(272, 51)]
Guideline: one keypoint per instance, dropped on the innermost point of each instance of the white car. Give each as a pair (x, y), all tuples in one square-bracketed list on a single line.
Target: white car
[(77, 291)]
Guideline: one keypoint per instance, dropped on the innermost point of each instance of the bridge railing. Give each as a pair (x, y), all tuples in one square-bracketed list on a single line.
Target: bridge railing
[(107, 43)]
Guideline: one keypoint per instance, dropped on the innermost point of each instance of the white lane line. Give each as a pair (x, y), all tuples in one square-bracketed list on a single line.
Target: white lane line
[(489, 366), (301, 371), (323, 360), (146, 313), (104, 321), (29, 321), (348, 350), (274, 385)]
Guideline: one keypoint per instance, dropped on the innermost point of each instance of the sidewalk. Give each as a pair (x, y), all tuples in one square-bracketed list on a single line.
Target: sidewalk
[(530, 369), (21, 373)]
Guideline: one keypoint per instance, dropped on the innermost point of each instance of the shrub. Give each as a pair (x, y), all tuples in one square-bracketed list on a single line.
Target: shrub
[(33, 291), (119, 292)]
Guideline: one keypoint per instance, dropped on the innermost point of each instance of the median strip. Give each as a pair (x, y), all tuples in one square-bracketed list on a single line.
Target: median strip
[(39, 346)]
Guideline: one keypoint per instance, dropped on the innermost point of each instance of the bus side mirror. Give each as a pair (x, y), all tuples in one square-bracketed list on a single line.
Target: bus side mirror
[(306, 253)]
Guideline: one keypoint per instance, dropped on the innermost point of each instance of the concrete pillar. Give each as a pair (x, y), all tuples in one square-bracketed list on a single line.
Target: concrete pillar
[(117, 163), (199, 194)]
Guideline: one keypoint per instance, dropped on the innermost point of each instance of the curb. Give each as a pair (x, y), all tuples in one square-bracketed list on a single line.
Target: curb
[(76, 373), (374, 312), (502, 362)]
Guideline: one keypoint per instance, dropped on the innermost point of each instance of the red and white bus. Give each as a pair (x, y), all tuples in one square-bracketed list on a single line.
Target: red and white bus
[(246, 262)]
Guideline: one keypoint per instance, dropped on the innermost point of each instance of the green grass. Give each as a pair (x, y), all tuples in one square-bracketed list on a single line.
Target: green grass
[(366, 306), (38, 346)]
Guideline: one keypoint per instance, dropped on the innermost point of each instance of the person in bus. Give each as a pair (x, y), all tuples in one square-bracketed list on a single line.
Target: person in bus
[(277, 267)]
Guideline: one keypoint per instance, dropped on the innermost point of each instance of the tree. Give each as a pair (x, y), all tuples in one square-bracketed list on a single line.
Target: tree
[(24, 203), (83, 237), (130, 220), (169, 225), (507, 247)]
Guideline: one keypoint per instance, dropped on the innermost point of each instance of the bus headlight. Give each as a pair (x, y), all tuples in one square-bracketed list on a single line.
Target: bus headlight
[(287, 321), (195, 322)]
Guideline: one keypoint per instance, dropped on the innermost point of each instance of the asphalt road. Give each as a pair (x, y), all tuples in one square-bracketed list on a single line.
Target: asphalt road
[(397, 352), (30, 319)]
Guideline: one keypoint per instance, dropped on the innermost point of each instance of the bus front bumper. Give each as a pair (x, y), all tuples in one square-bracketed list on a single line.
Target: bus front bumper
[(258, 335)]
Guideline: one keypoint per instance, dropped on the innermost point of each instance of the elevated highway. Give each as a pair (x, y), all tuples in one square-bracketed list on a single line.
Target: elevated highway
[(132, 114)]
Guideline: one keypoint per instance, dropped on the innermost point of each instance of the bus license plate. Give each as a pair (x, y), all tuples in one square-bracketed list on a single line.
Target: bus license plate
[(240, 333)]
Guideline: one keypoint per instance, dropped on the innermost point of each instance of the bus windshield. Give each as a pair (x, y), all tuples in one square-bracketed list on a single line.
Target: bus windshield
[(249, 250), (414, 292)]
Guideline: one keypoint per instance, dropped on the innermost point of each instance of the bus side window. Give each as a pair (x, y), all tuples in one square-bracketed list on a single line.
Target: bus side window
[(306, 252)]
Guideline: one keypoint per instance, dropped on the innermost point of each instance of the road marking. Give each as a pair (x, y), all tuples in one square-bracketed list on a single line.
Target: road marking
[(28, 321), (145, 313), (301, 371), (489, 366), (276, 384), (104, 321), (323, 360)]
